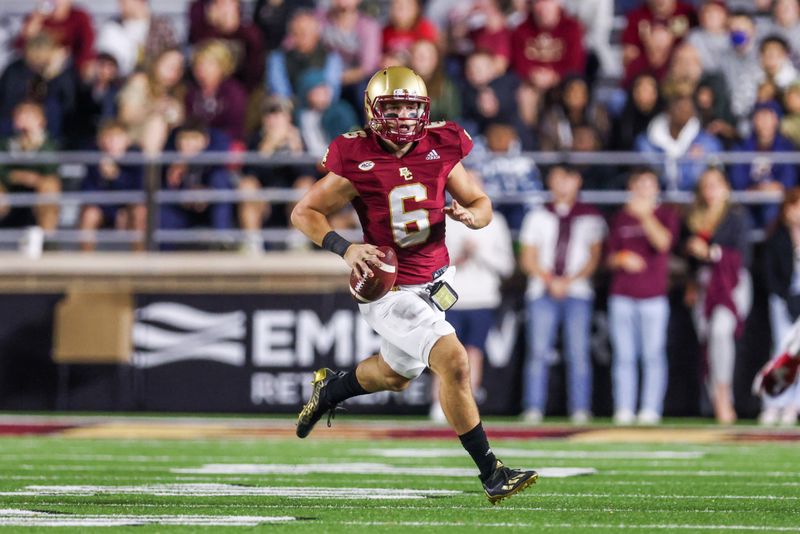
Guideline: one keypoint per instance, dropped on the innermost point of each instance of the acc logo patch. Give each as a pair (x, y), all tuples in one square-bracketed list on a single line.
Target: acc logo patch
[(366, 165)]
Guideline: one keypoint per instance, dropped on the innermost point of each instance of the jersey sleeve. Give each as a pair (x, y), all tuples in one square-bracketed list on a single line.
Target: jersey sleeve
[(332, 160), (465, 142)]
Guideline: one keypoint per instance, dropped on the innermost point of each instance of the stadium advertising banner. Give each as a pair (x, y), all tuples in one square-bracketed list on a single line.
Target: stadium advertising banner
[(221, 353), (256, 353)]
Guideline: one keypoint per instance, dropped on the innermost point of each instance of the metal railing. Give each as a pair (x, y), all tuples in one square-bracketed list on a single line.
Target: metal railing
[(152, 195)]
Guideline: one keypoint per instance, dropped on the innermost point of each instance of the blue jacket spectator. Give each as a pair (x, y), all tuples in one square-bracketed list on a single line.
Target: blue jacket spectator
[(761, 174), (306, 51), (677, 134), (192, 139), (504, 171), (44, 74)]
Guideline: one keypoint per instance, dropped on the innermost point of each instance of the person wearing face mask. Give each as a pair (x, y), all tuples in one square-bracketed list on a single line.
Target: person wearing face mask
[(741, 68)]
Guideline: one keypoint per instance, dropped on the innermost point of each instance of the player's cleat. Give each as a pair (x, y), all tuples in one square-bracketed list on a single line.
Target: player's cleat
[(505, 482), (316, 406), (776, 376)]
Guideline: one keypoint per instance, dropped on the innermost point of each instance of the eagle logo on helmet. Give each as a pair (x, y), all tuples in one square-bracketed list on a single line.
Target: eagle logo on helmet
[(397, 84)]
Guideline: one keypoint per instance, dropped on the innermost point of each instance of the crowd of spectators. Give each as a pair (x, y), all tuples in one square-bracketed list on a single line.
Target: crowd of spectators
[(284, 78)]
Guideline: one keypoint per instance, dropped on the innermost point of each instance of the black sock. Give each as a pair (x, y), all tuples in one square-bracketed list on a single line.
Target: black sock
[(344, 388), (478, 447)]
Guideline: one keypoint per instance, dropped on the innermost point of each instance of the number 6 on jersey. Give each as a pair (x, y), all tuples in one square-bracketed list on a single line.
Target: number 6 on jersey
[(401, 219)]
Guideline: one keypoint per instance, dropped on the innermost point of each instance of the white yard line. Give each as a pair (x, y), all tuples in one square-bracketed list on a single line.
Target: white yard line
[(362, 468), (227, 490), (30, 518), (501, 452)]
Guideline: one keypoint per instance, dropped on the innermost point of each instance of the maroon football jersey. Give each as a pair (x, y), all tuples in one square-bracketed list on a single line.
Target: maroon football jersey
[(401, 200)]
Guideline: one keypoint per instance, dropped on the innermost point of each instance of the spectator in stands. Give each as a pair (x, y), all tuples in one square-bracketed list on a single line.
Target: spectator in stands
[(790, 124), (44, 74), (762, 174), (356, 37), (304, 50), (741, 67), (483, 28), (151, 103), (596, 177), (597, 18), (278, 136), (640, 239), (710, 90), (215, 98), (711, 38), (135, 36), (655, 57), (482, 258), (445, 97), (487, 96), (222, 20), (69, 26), (782, 276), (675, 134), (573, 107), (645, 32), (405, 26), (785, 23), (719, 291), (561, 248), (272, 18), (30, 136), (776, 61), (191, 139), (96, 102), (504, 171), (321, 117), (109, 175), (547, 46), (642, 105)]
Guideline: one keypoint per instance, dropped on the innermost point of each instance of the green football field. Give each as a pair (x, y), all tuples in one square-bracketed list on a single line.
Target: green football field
[(368, 475)]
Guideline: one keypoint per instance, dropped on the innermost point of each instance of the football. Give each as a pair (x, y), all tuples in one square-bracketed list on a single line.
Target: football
[(370, 289)]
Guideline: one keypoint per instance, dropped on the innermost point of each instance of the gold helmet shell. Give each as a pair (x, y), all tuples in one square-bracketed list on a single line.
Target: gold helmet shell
[(397, 84)]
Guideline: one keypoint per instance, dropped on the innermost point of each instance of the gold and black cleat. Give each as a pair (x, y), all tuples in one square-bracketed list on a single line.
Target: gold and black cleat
[(316, 406), (506, 482)]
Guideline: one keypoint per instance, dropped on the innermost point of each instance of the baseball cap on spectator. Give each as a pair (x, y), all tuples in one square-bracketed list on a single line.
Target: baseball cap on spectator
[(769, 105)]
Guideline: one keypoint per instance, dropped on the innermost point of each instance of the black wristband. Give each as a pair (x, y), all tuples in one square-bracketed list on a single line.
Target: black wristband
[(335, 243)]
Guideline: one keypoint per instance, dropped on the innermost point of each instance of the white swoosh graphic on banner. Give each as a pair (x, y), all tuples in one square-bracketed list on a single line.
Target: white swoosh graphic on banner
[(222, 352), (185, 317), (147, 336)]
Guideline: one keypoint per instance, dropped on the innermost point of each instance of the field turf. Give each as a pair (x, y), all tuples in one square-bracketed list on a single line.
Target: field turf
[(249, 475)]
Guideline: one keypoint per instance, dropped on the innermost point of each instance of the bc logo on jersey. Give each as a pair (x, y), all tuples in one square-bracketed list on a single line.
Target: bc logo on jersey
[(406, 174)]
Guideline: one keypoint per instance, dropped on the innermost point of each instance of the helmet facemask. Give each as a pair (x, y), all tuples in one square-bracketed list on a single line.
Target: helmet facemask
[(392, 127)]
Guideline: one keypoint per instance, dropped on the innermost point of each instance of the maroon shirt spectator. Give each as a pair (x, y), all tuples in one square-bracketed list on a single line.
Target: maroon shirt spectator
[(69, 26), (627, 236), (406, 26), (222, 19), (675, 15), (547, 46), (215, 98)]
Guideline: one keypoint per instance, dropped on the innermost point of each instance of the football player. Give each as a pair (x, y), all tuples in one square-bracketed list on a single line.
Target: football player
[(396, 173)]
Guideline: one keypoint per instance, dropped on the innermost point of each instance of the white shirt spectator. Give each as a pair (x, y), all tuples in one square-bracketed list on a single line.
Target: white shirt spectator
[(489, 259), (540, 229)]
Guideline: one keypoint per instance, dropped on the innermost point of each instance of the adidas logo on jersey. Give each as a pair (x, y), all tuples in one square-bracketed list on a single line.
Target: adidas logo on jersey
[(432, 155)]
